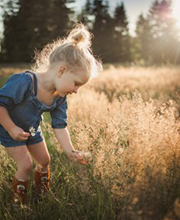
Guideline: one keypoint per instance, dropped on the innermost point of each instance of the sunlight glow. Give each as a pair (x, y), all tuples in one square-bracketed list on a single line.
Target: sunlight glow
[(176, 11)]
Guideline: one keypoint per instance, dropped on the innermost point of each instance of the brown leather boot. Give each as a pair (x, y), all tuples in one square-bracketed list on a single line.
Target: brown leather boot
[(42, 181), (19, 191)]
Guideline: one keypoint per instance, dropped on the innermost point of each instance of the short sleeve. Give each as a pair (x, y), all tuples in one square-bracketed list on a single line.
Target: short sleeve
[(59, 115), (14, 90)]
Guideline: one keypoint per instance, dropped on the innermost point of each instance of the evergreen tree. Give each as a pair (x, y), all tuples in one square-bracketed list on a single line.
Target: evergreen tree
[(32, 25), (103, 30), (121, 35), (143, 39), (10, 9), (86, 16), (164, 35), (33, 19), (25, 30), (39, 24), (60, 17)]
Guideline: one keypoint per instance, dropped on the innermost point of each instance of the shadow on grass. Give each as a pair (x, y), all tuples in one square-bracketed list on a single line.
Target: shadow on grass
[(3, 79)]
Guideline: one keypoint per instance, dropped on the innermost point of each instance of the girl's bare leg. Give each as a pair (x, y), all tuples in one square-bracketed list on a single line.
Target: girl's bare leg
[(22, 157), (42, 174), (40, 153)]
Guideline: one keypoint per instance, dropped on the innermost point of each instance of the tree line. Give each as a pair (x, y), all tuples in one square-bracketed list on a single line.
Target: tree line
[(29, 25)]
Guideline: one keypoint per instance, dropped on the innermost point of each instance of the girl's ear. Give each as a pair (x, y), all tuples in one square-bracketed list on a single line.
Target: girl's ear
[(62, 70)]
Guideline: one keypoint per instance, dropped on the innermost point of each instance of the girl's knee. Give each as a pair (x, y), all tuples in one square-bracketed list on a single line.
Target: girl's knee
[(46, 161), (26, 166)]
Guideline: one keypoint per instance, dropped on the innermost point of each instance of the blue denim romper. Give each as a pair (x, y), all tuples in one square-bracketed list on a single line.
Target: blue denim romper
[(18, 96)]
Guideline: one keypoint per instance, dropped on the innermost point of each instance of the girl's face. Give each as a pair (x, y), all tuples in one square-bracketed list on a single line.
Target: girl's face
[(68, 82)]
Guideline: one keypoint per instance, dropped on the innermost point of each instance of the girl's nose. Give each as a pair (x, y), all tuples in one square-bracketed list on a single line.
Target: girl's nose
[(75, 90)]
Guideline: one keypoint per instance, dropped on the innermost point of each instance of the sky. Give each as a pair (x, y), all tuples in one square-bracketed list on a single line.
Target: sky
[(136, 7)]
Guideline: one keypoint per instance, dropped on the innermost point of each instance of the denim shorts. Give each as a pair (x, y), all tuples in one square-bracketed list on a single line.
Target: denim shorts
[(7, 141)]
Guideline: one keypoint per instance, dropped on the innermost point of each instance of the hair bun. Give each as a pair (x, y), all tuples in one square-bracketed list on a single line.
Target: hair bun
[(80, 36)]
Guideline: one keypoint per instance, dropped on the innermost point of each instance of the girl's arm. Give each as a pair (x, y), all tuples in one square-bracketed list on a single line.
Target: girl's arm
[(5, 120), (15, 132), (62, 135)]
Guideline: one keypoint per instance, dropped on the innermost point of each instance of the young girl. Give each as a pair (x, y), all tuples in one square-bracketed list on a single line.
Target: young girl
[(61, 69)]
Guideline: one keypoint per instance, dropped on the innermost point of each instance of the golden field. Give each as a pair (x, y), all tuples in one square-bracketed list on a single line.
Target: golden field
[(128, 118)]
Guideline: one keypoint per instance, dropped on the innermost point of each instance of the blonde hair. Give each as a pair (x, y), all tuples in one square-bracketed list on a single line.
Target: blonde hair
[(74, 51)]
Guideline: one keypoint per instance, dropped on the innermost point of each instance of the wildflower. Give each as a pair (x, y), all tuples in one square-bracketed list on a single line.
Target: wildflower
[(39, 129), (32, 131), (86, 157)]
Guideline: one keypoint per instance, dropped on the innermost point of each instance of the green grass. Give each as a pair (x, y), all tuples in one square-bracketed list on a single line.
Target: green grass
[(3, 79), (68, 198)]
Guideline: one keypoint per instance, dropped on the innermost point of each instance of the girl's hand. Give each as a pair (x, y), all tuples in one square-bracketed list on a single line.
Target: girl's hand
[(18, 134), (79, 156)]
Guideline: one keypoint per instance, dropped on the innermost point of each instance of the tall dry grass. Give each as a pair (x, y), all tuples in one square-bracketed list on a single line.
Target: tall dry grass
[(128, 118), (160, 83), (131, 125)]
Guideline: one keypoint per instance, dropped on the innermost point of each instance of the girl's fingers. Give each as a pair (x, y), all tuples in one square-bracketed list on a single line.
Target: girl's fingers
[(75, 157), (80, 157), (25, 134), (23, 138)]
